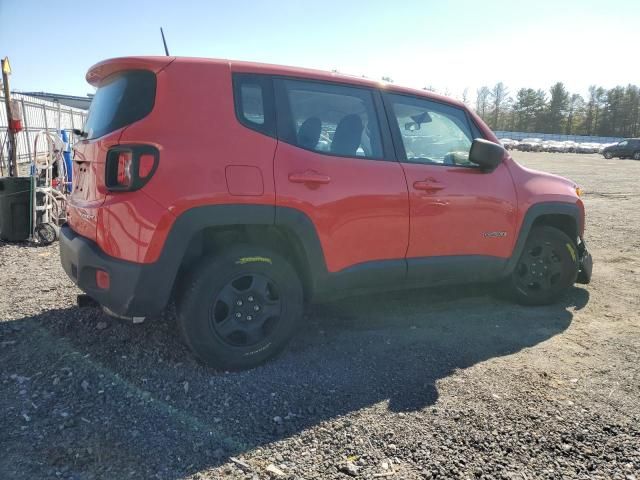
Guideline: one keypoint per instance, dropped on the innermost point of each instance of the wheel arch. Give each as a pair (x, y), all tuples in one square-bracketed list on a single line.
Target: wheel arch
[(563, 216), (208, 229)]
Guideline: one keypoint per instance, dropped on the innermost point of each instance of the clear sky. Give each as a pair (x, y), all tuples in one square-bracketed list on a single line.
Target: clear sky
[(448, 45)]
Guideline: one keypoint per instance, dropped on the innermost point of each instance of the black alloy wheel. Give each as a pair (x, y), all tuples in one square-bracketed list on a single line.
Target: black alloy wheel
[(546, 268), (239, 308), (539, 268), (246, 310)]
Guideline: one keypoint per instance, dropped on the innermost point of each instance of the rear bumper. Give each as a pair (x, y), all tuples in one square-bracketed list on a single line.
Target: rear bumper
[(586, 264), (133, 289)]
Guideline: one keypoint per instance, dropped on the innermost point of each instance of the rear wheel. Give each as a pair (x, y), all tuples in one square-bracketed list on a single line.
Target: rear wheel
[(547, 267), (240, 308), (636, 155)]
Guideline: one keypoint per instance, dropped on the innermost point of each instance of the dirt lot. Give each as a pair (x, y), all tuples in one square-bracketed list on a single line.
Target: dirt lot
[(447, 383)]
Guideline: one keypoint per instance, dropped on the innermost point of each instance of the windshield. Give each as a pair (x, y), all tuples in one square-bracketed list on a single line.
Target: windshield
[(123, 98)]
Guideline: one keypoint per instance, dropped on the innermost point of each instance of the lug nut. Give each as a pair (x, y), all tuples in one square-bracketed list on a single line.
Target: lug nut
[(238, 315), (256, 308), (239, 303), (249, 317), (250, 298)]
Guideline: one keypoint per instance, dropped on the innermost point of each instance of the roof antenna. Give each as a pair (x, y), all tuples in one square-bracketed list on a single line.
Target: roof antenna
[(166, 50)]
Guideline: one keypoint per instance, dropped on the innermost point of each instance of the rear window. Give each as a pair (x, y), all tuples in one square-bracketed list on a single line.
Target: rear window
[(123, 98)]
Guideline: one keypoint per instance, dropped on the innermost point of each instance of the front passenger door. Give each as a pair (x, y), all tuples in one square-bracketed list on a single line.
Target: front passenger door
[(462, 220)]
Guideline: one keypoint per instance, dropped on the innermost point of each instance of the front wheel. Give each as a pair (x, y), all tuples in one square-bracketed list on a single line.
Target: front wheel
[(546, 269), (608, 155), (240, 308)]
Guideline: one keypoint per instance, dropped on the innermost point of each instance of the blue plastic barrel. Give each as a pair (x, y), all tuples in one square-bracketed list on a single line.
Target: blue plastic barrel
[(68, 166)]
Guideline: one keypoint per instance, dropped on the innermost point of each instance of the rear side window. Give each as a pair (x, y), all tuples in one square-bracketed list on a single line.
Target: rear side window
[(122, 98), (328, 118), (252, 103), (253, 98)]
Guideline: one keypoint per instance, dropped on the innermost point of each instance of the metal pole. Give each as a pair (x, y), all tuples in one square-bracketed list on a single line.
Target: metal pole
[(44, 110), (58, 129), (13, 162), (26, 128)]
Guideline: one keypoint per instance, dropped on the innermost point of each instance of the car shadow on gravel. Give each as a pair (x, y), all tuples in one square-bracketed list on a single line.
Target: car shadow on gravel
[(87, 395)]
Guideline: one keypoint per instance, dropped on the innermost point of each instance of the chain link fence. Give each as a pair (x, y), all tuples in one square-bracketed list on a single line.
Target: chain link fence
[(557, 137), (37, 115)]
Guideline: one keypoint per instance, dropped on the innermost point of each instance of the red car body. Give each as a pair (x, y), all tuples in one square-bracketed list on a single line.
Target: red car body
[(393, 215)]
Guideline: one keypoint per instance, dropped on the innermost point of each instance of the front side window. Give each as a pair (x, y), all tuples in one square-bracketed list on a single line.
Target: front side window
[(329, 119), (431, 132)]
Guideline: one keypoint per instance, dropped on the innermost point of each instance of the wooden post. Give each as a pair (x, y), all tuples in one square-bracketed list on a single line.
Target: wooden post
[(13, 159)]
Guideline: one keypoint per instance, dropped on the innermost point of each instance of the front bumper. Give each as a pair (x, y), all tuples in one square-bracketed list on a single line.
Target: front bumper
[(133, 288), (585, 264)]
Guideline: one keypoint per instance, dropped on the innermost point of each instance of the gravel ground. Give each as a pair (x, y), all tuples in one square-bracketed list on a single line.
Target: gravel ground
[(449, 383)]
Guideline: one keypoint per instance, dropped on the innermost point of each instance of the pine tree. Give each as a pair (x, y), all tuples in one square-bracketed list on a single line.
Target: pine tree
[(556, 109)]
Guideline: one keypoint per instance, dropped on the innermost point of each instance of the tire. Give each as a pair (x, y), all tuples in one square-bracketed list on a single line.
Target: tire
[(46, 234), (608, 155), (240, 308), (546, 269), (636, 155)]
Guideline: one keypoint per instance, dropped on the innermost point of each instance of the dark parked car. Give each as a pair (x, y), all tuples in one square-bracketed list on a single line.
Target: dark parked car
[(626, 149)]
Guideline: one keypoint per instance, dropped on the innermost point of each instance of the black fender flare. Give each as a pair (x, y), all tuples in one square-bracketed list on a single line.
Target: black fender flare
[(157, 279), (569, 210)]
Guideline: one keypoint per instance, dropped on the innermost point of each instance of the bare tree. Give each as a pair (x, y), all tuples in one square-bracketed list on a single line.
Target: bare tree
[(575, 109), (465, 96), (499, 96), (482, 101)]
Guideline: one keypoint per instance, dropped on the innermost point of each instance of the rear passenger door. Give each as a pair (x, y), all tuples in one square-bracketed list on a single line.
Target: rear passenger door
[(334, 162)]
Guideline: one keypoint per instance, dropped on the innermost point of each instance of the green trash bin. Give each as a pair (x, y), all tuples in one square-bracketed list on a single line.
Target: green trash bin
[(15, 208)]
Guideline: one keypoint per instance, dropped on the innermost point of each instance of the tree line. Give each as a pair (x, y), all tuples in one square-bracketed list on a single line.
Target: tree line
[(608, 113)]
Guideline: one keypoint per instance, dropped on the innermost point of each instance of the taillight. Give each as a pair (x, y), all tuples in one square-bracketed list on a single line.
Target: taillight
[(130, 167), (146, 164), (124, 169)]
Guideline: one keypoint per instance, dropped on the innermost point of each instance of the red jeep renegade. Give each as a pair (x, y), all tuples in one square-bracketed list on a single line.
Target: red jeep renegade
[(243, 190)]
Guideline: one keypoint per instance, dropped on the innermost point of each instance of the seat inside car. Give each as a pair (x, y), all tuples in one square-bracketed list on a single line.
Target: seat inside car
[(348, 136), (309, 133)]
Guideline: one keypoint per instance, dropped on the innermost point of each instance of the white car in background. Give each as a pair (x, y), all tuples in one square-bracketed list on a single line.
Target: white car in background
[(588, 147), (570, 146), (508, 143), (530, 145)]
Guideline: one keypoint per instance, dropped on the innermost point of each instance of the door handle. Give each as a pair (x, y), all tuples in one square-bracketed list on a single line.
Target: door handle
[(426, 186), (309, 177)]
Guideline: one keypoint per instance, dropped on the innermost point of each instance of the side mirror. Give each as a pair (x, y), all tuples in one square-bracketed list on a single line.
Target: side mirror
[(487, 155)]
